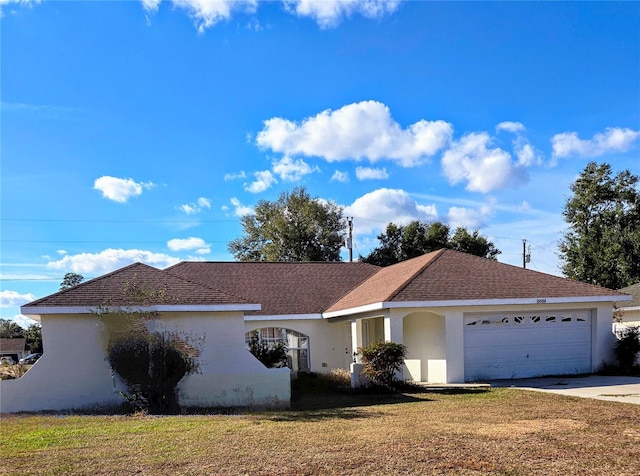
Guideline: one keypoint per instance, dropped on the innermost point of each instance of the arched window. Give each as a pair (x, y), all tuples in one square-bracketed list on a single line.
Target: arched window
[(297, 345)]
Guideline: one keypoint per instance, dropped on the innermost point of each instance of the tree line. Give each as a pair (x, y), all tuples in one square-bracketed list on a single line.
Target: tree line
[(600, 246)]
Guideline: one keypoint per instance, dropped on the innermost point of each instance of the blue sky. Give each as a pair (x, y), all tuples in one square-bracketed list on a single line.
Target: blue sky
[(144, 130)]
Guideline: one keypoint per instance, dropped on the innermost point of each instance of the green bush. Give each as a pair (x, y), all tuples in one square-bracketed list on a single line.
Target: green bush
[(151, 366), (627, 348), (271, 354), (381, 362)]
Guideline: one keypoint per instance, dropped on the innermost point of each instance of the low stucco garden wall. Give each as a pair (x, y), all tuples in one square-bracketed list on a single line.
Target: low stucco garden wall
[(74, 372)]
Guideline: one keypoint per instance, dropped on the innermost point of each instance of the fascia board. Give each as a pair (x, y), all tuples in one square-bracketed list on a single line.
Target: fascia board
[(43, 310), (473, 302), (283, 317)]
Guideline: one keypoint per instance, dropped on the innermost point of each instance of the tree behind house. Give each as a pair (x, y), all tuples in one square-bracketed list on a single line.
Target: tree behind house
[(402, 242), (602, 243), (296, 227)]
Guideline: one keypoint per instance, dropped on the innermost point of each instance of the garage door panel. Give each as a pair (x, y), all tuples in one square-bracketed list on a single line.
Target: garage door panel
[(501, 346)]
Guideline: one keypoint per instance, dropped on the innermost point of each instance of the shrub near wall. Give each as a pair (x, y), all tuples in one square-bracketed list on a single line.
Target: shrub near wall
[(382, 360)]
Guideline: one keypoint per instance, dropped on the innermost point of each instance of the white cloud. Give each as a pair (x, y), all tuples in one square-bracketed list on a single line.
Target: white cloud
[(374, 210), (292, 170), (329, 13), (471, 218), (338, 176), (14, 298), (363, 130), (369, 173), (195, 207), (23, 321), (189, 244), (240, 210), (120, 190), (527, 154), (483, 168), (206, 13), (510, 126), (150, 5), (264, 180), (109, 260), (240, 175), (612, 140)]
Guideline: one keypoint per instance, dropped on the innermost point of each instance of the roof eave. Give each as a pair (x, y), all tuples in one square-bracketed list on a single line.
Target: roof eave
[(31, 311), (470, 302)]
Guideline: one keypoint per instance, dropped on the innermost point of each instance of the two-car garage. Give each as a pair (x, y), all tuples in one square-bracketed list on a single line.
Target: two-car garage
[(527, 344)]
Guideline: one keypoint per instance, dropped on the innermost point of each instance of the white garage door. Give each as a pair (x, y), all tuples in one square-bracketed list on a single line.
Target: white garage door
[(506, 346)]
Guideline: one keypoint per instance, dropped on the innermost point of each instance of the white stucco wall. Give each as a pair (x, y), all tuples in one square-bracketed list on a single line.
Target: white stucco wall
[(74, 373), (330, 345), (228, 374), (424, 338)]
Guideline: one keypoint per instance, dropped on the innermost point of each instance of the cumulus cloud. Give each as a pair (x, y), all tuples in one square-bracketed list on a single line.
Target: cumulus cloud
[(189, 244), (374, 210), (485, 169), (264, 180), (329, 13), (291, 169), (195, 207), (109, 260), (527, 154), (369, 173), (120, 190), (358, 131), (206, 13), (339, 176), (239, 209), (510, 126), (612, 140), (472, 218), (14, 298)]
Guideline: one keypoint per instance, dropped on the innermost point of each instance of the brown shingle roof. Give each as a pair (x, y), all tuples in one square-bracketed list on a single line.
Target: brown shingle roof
[(280, 287), (109, 290), (16, 344), (448, 275), (283, 288)]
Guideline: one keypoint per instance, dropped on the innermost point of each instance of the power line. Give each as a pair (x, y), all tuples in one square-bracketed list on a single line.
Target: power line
[(92, 220)]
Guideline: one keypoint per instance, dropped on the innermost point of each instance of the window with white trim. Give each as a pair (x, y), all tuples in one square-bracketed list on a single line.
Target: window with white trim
[(297, 345)]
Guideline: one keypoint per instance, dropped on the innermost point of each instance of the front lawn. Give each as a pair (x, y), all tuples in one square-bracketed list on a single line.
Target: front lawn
[(502, 431)]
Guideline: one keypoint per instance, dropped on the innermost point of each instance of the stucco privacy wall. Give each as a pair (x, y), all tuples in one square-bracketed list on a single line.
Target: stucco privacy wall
[(74, 372), (329, 342), (228, 374)]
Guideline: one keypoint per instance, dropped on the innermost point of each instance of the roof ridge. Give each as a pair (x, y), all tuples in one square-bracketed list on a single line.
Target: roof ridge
[(438, 254)]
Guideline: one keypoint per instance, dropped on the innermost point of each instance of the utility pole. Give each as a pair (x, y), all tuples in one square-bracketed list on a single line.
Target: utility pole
[(350, 238), (526, 257)]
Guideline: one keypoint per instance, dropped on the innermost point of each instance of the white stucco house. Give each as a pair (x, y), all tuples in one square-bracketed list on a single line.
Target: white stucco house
[(462, 318)]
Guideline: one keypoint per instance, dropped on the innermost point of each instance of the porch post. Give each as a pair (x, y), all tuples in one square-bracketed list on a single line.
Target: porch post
[(393, 323), (454, 345), (356, 336)]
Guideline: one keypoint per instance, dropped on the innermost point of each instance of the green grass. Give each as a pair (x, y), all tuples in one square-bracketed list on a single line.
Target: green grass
[(502, 432)]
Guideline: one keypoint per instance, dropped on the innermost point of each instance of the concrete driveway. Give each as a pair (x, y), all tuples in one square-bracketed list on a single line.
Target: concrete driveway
[(613, 389)]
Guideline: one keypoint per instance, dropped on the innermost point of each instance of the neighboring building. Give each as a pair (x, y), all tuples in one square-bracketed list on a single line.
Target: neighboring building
[(462, 318), (629, 311), (13, 348)]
